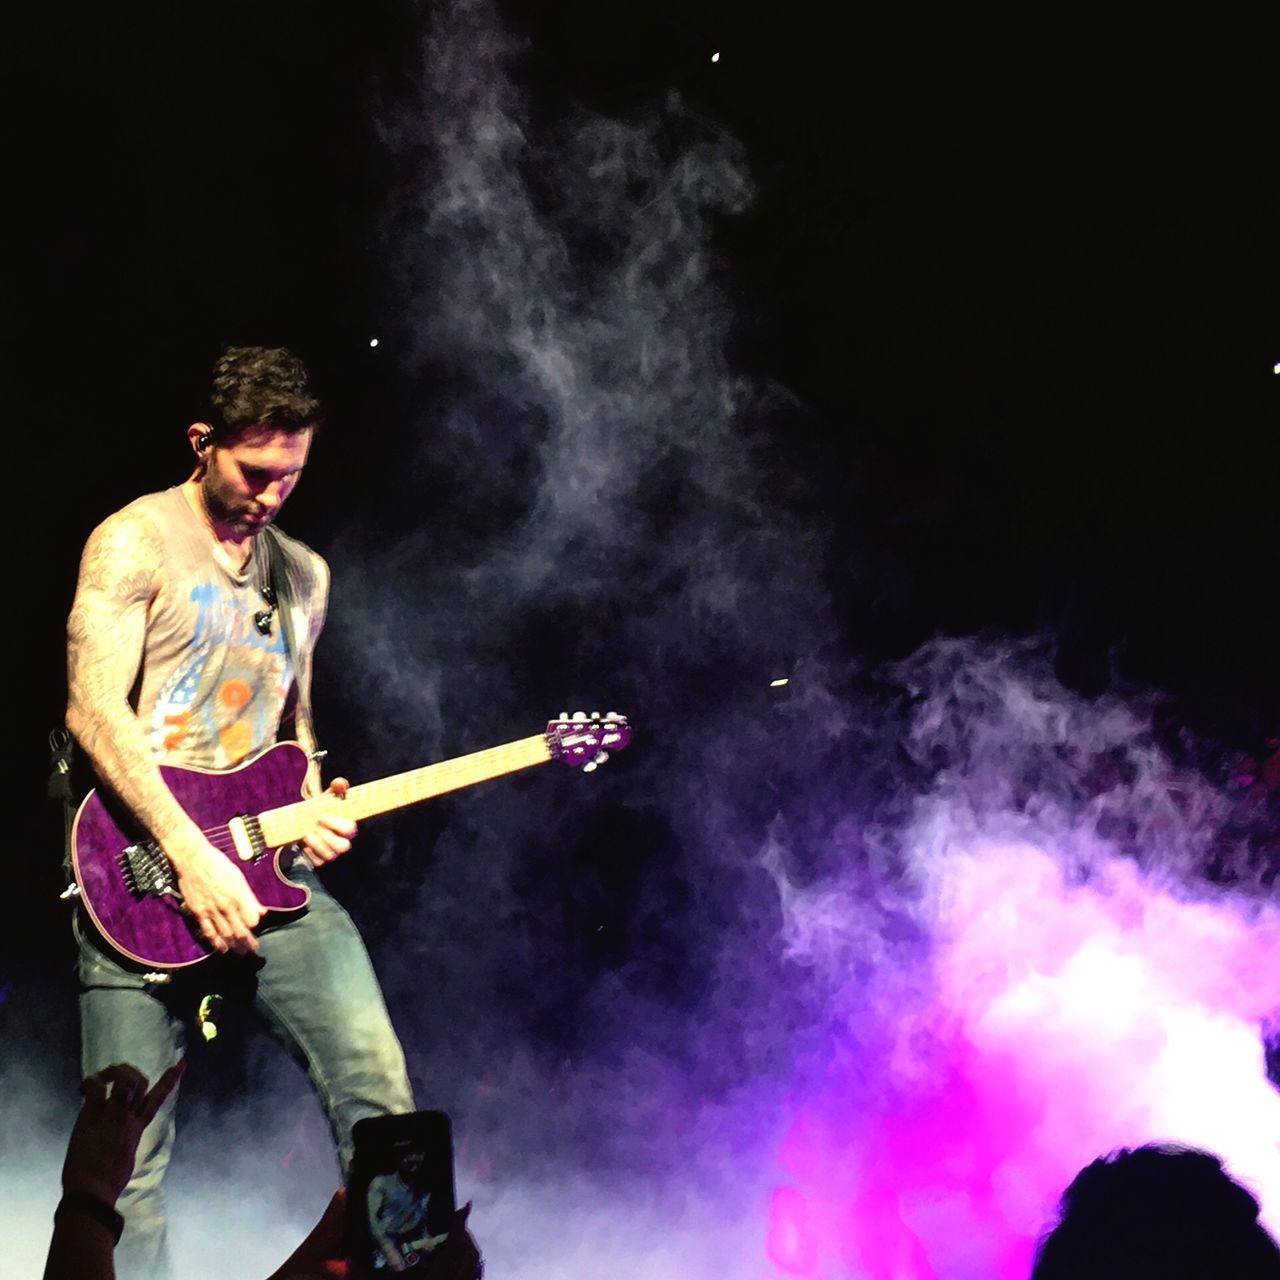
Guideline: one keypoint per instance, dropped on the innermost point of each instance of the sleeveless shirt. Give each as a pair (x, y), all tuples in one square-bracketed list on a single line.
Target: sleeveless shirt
[(212, 689)]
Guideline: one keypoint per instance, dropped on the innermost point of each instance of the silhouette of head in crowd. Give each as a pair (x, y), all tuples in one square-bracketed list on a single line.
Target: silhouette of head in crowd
[(1157, 1211)]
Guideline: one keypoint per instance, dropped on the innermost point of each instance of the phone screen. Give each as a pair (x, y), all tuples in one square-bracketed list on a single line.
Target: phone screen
[(400, 1196)]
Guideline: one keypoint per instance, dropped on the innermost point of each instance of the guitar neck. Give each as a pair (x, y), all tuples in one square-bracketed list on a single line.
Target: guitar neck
[(290, 822)]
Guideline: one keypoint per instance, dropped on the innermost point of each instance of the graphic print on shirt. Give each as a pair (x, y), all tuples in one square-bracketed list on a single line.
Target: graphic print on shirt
[(223, 700)]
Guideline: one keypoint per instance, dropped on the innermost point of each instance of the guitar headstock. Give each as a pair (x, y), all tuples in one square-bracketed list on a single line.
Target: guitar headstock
[(585, 741)]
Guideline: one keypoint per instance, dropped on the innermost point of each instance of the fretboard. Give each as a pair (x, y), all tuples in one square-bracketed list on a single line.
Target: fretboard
[(288, 823)]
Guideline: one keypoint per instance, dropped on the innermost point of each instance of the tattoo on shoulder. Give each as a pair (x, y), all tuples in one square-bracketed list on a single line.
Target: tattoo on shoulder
[(122, 558), (119, 575)]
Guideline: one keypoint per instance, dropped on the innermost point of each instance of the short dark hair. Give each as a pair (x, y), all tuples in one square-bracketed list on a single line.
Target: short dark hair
[(1158, 1211), (261, 385)]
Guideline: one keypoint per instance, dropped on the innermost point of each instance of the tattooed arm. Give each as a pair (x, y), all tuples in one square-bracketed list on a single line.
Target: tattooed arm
[(120, 576)]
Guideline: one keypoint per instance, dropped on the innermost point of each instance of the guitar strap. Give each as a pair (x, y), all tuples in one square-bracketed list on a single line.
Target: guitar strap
[(278, 580), (65, 789)]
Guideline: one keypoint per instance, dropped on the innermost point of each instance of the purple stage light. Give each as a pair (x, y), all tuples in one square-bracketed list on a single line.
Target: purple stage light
[(1049, 1023)]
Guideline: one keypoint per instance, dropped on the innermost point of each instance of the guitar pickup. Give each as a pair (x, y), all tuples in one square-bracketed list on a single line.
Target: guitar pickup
[(246, 836)]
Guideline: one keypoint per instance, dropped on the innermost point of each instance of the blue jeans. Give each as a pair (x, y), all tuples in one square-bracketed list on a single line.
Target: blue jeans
[(314, 985)]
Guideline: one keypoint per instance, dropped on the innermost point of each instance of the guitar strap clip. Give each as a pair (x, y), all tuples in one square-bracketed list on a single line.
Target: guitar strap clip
[(317, 755)]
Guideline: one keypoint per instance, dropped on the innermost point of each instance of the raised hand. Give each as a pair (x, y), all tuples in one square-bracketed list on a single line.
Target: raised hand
[(320, 1255), (118, 1106)]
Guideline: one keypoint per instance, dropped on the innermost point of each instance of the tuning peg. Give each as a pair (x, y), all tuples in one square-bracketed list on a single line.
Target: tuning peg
[(601, 757), (589, 767), (595, 715), (613, 715), (579, 715), (564, 715)]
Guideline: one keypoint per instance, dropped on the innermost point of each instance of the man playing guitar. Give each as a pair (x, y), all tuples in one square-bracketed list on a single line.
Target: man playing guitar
[(177, 656)]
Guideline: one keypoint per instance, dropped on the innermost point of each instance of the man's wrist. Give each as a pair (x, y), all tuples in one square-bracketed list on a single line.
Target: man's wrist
[(85, 1204), (183, 845)]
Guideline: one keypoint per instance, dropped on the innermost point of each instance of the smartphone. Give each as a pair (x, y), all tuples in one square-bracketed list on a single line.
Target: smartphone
[(400, 1194)]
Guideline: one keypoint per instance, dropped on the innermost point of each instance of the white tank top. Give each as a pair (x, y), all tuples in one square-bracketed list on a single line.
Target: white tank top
[(213, 688)]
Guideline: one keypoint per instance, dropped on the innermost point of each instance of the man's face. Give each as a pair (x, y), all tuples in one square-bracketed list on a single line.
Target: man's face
[(246, 481)]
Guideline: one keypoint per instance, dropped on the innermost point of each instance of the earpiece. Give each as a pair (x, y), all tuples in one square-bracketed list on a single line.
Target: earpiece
[(205, 441)]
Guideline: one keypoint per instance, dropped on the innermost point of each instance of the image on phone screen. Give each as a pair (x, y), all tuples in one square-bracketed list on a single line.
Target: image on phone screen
[(399, 1201), (401, 1193)]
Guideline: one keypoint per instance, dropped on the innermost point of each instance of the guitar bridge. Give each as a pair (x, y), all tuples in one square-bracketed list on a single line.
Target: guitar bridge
[(147, 871)]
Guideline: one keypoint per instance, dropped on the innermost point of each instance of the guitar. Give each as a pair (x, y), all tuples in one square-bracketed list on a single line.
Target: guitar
[(252, 812)]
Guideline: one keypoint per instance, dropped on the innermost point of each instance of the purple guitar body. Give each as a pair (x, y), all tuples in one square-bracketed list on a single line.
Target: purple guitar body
[(128, 887)]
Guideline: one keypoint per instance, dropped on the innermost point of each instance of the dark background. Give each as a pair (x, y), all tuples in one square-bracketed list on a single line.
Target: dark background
[(1023, 282)]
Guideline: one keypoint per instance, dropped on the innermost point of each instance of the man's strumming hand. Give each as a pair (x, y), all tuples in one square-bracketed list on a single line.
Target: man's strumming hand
[(216, 895)]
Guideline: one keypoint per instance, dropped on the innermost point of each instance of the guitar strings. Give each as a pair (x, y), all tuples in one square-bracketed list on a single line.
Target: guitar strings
[(462, 768)]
